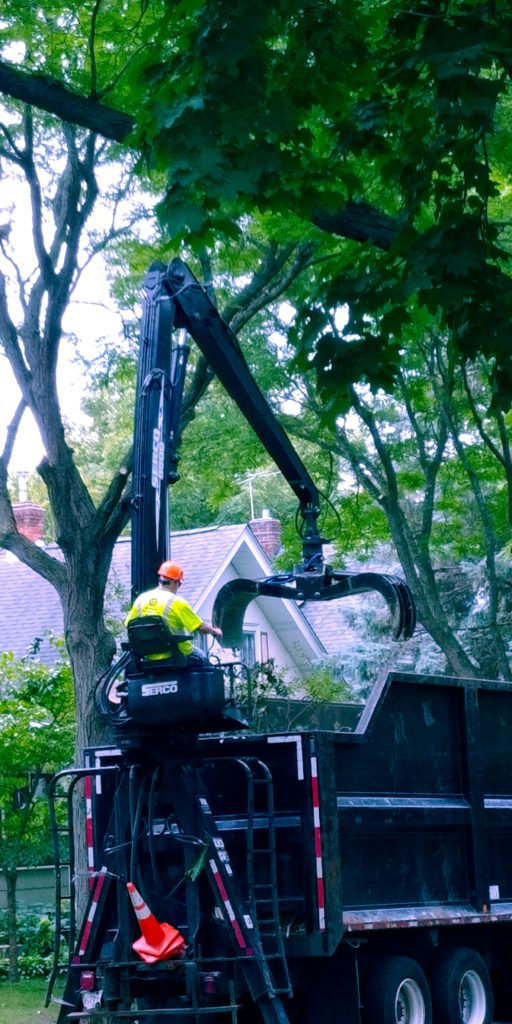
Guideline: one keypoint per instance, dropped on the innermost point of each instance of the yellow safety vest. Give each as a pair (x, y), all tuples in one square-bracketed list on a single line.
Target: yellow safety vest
[(175, 611)]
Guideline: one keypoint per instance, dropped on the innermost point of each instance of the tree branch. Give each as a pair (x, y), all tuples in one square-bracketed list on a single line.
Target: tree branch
[(503, 457), (268, 283), (356, 219), (14, 154), (92, 51), (109, 506), (429, 464), (29, 168), (202, 378), (9, 338), (368, 418), (35, 557), (360, 221), (12, 431), (48, 94)]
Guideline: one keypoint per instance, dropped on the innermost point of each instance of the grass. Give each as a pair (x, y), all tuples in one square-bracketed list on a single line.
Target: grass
[(23, 1003)]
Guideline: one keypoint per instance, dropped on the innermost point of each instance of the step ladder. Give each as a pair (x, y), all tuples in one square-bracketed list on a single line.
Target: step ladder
[(262, 863), (61, 789), (237, 913)]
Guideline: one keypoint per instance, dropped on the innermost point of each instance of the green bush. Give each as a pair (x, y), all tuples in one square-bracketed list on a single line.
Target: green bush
[(36, 936)]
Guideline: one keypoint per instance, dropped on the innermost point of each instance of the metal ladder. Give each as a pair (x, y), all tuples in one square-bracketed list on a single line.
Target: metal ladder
[(73, 776), (238, 914), (261, 862), (57, 832)]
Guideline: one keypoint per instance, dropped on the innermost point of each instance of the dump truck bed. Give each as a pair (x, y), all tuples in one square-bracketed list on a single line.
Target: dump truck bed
[(405, 819)]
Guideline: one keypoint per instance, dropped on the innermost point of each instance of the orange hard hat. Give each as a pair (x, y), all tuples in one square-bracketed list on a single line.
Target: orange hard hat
[(171, 571)]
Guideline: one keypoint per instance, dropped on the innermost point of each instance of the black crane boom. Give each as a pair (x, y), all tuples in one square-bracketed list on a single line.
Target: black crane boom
[(175, 301)]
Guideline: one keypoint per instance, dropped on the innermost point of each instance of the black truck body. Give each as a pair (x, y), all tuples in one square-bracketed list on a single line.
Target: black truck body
[(296, 864)]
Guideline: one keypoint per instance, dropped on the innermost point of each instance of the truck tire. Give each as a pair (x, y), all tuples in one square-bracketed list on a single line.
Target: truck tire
[(396, 992), (461, 988)]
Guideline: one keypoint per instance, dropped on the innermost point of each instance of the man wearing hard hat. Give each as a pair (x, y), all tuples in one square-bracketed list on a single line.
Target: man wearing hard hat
[(175, 611)]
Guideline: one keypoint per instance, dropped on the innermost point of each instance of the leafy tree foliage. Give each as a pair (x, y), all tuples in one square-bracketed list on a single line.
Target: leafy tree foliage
[(388, 118), (373, 123), (435, 463), (37, 730)]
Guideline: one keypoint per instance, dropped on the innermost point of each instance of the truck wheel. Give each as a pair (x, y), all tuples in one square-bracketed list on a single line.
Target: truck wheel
[(461, 988), (397, 992)]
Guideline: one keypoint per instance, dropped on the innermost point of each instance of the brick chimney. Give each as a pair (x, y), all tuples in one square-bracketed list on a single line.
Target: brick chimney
[(267, 532), (29, 520)]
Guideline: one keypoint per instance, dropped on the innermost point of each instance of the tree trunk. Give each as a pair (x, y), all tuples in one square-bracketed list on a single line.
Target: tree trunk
[(420, 576), (91, 648)]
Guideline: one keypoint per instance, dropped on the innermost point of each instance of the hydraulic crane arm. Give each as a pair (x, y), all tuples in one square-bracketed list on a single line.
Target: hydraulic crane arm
[(175, 300), (199, 316)]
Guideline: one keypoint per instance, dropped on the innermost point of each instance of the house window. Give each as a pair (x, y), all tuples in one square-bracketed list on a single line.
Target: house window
[(264, 654), (249, 649)]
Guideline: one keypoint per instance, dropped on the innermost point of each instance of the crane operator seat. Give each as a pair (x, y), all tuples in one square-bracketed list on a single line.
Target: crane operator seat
[(153, 644), (166, 688)]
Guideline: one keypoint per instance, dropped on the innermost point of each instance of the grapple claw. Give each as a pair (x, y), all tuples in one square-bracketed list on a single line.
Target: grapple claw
[(233, 598)]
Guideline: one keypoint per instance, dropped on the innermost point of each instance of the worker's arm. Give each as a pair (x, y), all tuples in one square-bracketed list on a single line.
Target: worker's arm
[(212, 630), (191, 622)]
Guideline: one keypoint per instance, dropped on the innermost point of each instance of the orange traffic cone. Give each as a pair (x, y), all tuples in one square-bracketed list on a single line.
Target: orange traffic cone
[(158, 941)]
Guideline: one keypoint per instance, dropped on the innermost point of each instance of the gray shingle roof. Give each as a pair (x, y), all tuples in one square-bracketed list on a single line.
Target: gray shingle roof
[(331, 622), (201, 552), (29, 608)]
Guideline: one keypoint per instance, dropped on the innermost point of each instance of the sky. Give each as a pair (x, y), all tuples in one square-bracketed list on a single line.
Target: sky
[(91, 316), (89, 320)]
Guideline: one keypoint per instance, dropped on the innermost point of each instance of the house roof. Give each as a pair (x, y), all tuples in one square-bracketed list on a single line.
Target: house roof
[(29, 606), (332, 623), (201, 552), (29, 609)]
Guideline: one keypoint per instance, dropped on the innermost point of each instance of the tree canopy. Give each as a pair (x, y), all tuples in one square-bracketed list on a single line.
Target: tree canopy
[(372, 123)]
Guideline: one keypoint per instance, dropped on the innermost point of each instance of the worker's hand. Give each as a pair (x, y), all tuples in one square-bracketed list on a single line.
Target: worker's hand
[(216, 631)]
